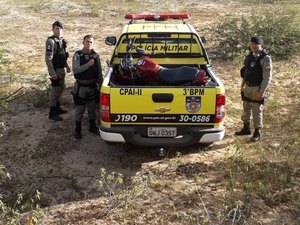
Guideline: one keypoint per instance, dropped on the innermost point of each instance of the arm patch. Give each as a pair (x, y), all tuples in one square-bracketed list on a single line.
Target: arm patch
[(49, 45), (49, 48), (76, 57), (268, 63)]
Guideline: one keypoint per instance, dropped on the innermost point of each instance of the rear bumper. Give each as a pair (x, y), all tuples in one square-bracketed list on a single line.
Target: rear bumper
[(186, 136)]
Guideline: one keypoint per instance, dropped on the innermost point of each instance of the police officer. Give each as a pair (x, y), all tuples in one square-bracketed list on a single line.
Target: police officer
[(88, 74), (257, 75), (56, 60)]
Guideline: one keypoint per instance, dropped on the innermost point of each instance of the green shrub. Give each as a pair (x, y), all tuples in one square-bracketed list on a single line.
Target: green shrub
[(11, 212), (257, 2), (261, 1), (5, 70), (277, 29), (4, 63)]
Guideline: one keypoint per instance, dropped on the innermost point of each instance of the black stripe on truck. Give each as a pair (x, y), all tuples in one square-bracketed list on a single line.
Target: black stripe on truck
[(162, 97), (162, 118)]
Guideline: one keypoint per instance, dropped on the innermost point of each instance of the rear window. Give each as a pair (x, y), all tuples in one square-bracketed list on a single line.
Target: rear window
[(163, 43)]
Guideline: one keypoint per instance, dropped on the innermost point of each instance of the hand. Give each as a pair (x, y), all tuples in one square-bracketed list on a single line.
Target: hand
[(91, 62), (258, 96), (68, 69), (242, 88), (53, 77)]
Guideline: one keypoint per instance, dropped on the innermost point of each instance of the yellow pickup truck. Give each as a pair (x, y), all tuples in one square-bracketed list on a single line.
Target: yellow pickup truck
[(159, 88)]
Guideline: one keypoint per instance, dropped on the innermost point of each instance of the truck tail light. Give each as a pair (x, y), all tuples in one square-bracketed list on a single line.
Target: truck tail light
[(220, 108), (105, 107)]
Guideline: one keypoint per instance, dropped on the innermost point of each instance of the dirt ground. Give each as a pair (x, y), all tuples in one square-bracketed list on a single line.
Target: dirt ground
[(43, 155)]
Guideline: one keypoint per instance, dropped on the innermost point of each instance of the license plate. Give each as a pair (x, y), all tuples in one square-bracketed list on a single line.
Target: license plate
[(162, 131)]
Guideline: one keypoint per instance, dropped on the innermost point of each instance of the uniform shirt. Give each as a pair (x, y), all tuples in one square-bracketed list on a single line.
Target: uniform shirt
[(77, 68), (51, 49), (266, 64)]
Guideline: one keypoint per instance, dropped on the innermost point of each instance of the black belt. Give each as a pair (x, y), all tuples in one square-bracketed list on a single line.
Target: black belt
[(58, 67), (244, 98), (91, 85), (251, 84)]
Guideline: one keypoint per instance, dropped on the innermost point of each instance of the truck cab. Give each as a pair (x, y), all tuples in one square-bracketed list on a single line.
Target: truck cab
[(157, 111)]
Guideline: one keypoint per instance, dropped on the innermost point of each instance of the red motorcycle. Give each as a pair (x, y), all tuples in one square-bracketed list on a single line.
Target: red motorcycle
[(148, 72)]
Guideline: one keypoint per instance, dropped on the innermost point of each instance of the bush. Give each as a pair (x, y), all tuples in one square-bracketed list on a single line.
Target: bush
[(4, 64), (257, 2), (5, 70), (261, 1), (11, 213), (277, 29)]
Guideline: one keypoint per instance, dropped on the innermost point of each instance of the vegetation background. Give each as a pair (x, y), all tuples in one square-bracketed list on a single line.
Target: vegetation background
[(47, 177)]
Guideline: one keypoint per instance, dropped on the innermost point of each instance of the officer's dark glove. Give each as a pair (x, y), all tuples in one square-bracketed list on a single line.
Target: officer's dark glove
[(55, 83), (242, 96)]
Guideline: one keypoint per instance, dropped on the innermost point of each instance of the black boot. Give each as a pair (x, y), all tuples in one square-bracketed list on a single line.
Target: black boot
[(93, 128), (77, 134), (245, 130), (53, 115), (256, 135), (60, 110)]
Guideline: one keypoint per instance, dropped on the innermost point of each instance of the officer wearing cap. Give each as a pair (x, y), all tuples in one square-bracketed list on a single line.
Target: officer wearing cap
[(56, 60), (88, 74), (256, 77)]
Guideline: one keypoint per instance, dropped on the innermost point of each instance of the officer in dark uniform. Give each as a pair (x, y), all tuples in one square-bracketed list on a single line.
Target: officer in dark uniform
[(257, 75), (56, 59), (88, 74)]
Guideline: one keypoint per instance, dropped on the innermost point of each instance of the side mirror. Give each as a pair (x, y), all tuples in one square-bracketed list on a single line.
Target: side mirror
[(203, 40), (110, 40)]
